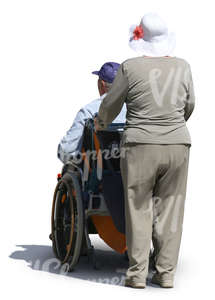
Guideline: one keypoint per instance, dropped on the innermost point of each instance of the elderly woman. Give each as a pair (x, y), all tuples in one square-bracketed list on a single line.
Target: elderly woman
[(158, 91)]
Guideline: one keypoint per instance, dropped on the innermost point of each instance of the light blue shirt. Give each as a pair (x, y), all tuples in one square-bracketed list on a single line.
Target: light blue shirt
[(71, 143)]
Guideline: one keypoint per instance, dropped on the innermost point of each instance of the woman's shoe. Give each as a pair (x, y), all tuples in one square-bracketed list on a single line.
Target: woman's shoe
[(137, 285), (163, 282)]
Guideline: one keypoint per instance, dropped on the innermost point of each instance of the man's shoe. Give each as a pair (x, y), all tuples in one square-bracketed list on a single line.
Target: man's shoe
[(163, 282), (137, 285), (84, 248)]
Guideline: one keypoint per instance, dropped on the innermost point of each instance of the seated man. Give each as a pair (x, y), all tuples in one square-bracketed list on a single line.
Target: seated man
[(71, 143)]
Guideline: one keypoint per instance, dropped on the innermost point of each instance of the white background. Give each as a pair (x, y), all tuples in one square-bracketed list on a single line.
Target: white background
[(48, 50)]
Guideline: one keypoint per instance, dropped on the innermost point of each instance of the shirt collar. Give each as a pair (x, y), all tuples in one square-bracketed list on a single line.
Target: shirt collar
[(103, 96)]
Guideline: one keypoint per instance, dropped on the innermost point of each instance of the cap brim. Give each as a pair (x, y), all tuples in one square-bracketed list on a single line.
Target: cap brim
[(95, 72)]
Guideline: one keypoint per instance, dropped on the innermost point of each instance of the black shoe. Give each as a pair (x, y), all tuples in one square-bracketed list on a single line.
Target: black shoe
[(126, 255), (84, 249)]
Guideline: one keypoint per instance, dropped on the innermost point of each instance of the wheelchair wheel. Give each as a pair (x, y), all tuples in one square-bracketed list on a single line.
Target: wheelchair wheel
[(67, 220)]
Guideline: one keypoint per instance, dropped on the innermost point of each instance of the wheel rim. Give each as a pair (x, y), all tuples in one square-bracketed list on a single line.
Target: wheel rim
[(64, 222)]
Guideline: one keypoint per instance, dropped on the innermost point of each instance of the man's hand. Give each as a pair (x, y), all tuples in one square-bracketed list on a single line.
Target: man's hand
[(96, 124)]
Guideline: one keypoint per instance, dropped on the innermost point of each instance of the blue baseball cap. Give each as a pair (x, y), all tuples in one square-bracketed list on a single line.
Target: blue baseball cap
[(108, 71)]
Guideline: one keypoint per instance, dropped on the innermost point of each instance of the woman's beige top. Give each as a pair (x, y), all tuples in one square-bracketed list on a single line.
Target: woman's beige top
[(158, 92)]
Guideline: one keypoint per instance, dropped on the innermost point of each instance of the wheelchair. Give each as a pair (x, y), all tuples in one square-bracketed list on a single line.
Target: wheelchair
[(89, 199)]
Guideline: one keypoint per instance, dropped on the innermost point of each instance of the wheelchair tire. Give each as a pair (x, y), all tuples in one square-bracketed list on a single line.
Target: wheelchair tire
[(67, 220)]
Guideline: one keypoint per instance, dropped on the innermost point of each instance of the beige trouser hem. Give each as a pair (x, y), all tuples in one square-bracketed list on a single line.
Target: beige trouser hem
[(154, 179)]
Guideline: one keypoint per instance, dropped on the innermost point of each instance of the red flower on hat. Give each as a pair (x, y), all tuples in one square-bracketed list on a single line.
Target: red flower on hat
[(138, 33)]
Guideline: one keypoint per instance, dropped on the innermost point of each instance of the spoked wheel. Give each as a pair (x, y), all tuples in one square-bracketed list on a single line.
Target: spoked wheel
[(67, 220)]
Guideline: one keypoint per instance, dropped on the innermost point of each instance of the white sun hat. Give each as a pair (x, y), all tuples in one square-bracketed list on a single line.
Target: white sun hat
[(151, 37)]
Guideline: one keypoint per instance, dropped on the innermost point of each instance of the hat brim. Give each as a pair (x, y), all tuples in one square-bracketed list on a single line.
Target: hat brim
[(164, 47)]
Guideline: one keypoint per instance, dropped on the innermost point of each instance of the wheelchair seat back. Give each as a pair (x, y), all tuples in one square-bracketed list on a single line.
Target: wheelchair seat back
[(108, 142)]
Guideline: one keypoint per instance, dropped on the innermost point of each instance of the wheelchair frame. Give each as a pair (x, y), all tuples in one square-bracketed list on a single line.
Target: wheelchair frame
[(74, 203)]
